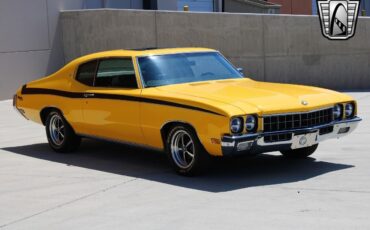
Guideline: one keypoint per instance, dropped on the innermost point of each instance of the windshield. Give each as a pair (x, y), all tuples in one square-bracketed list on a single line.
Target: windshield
[(169, 69)]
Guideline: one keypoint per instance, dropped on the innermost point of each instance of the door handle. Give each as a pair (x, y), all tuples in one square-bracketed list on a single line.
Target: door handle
[(86, 95)]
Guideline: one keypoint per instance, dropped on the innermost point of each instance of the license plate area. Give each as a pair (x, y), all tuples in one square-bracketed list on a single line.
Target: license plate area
[(304, 140)]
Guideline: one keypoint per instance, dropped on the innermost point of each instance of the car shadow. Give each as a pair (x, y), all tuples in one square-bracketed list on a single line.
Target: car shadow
[(225, 174)]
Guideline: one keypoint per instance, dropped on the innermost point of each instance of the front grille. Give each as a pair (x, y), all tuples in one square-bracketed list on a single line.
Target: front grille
[(297, 120)]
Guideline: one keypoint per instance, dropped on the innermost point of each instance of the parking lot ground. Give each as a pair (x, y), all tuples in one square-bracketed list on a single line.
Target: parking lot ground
[(112, 186)]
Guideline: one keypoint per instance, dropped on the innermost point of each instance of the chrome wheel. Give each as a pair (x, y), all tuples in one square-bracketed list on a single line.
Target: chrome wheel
[(56, 130), (182, 149)]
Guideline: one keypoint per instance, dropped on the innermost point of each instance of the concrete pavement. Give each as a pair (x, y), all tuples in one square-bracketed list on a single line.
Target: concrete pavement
[(112, 186)]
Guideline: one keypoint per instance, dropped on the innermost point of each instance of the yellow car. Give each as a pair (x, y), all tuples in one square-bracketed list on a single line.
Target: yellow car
[(190, 102)]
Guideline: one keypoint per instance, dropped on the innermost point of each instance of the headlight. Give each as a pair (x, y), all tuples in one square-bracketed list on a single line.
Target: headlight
[(349, 110), (251, 123), (337, 112), (236, 125)]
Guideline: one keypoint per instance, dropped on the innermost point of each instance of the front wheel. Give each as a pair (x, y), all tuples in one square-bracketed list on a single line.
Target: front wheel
[(185, 152), (60, 134), (300, 153)]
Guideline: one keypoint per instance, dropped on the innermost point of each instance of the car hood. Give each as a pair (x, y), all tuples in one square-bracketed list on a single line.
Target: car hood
[(266, 97)]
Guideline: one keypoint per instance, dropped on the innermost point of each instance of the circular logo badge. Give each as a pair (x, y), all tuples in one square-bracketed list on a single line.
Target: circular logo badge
[(304, 102)]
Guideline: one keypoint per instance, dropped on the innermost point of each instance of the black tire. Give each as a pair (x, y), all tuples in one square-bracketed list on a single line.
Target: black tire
[(196, 164), (70, 141), (300, 153)]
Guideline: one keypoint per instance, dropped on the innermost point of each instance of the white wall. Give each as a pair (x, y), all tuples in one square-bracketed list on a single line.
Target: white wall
[(30, 40)]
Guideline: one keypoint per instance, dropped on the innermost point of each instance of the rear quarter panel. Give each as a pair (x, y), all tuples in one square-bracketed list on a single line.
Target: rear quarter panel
[(33, 104)]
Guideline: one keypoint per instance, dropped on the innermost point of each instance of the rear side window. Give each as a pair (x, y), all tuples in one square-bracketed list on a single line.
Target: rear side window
[(86, 73), (116, 72)]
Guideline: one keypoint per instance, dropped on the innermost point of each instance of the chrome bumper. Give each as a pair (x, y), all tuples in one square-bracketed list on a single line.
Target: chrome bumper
[(255, 143)]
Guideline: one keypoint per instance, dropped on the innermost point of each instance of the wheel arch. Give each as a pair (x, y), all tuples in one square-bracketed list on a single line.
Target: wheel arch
[(166, 127), (45, 111)]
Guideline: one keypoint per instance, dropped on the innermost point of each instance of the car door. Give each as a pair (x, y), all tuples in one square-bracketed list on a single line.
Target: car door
[(111, 108), (84, 81)]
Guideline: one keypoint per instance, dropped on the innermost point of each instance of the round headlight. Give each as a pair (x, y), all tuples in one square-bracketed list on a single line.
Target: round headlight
[(236, 125), (337, 111), (349, 110), (250, 123)]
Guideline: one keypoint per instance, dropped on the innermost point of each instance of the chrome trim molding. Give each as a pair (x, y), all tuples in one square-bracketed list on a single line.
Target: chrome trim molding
[(119, 141), (259, 137), (299, 112), (228, 144), (163, 54), (205, 51), (261, 142)]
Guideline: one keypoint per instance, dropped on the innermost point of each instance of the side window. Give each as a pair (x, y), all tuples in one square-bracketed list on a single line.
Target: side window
[(86, 73), (116, 72)]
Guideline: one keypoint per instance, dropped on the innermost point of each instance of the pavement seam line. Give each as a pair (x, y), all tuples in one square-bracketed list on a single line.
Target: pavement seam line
[(67, 203), (326, 190)]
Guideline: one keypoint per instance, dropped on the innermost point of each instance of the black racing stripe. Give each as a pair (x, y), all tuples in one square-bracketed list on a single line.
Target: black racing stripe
[(26, 90), (52, 92), (169, 103)]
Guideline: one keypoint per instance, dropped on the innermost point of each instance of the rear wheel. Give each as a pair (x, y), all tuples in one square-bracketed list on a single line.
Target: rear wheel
[(300, 153), (60, 134), (185, 152)]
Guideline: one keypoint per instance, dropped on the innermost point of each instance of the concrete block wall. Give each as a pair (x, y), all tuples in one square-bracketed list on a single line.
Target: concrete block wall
[(277, 48)]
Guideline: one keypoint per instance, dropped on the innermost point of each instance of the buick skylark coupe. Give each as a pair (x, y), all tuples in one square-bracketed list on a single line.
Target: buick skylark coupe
[(190, 102)]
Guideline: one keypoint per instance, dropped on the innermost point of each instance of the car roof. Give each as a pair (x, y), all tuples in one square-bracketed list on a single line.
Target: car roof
[(140, 52)]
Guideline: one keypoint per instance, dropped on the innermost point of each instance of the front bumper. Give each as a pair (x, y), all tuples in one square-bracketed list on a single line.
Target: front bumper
[(255, 143)]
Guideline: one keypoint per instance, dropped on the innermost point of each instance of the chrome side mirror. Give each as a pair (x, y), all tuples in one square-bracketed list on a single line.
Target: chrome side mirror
[(240, 70)]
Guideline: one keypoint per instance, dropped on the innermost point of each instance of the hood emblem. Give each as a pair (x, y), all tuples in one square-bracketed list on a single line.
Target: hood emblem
[(304, 102)]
